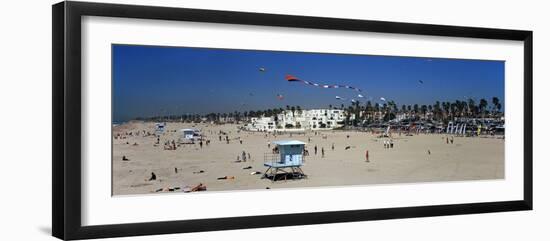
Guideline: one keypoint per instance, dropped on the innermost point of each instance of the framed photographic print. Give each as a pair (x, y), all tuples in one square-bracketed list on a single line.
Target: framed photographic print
[(169, 120)]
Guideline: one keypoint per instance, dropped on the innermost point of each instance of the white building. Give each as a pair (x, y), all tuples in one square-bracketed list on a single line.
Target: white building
[(300, 120), (261, 124)]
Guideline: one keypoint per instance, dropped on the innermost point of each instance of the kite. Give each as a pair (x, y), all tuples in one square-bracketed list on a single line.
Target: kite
[(280, 97), (353, 101), (262, 69), (339, 98), (420, 81), (360, 96), (291, 78), (382, 99)]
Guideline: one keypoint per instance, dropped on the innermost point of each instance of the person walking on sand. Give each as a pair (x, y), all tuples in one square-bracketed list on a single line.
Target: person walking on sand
[(332, 146), (315, 149), (322, 152), (447, 140), (367, 156)]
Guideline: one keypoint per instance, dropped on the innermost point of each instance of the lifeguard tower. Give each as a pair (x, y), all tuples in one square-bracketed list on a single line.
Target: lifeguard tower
[(159, 128), (285, 161)]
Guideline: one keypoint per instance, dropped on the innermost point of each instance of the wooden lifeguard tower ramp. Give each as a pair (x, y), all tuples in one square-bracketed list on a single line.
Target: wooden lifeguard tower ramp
[(286, 161)]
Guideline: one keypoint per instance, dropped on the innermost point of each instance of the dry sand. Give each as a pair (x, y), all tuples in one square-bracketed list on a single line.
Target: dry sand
[(468, 158)]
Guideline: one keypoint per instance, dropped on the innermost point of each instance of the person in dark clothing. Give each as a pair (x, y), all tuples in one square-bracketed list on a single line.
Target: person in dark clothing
[(153, 177)]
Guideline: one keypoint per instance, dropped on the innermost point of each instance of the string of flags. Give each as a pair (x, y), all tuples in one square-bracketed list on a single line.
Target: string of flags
[(292, 78)]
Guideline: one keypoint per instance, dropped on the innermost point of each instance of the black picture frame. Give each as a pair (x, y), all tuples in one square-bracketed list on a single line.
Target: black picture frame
[(66, 75)]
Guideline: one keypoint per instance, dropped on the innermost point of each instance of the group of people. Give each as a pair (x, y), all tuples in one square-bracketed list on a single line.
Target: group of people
[(244, 156), (388, 144), (170, 145)]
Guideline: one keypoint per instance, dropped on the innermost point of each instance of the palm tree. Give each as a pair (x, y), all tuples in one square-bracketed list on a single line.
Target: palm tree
[(369, 109), (357, 110), (424, 109), (482, 106), (393, 105), (437, 110), (446, 107), (348, 114), (496, 102), (471, 107)]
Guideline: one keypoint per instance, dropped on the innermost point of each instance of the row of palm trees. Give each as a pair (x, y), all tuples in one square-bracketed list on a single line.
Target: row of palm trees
[(441, 111)]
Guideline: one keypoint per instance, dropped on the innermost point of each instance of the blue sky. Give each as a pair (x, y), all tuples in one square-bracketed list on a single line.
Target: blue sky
[(150, 81)]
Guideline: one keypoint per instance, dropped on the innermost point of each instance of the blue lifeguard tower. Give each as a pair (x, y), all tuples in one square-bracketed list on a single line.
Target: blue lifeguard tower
[(285, 161)]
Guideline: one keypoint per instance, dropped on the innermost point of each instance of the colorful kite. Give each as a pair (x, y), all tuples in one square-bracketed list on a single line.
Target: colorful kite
[(291, 78), (280, 97)]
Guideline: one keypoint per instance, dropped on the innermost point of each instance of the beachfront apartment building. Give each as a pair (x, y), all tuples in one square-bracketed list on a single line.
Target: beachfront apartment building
[(266, 124), (299, 120)]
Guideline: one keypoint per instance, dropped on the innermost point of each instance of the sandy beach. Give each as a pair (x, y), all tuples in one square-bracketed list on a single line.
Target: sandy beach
[(418, 158)]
